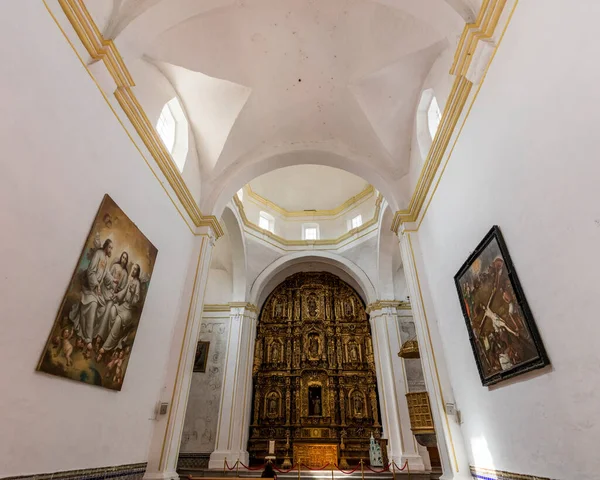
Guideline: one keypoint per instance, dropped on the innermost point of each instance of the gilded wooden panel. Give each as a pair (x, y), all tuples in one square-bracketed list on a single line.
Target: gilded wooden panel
[(314, 371)]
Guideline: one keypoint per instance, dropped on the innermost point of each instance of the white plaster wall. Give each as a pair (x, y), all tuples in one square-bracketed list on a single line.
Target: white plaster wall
[(527, 160), (62, 151), (219, 288), (200, 427), (364, 254)]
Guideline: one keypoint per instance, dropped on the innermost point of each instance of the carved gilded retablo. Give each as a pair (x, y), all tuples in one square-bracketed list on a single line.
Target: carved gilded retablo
[(314, 373)]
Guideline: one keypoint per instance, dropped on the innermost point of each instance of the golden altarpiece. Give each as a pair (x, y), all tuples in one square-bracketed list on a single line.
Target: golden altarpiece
[(315, 390)]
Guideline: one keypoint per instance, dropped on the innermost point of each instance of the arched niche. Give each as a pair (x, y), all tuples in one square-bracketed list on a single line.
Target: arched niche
[(295, 262)]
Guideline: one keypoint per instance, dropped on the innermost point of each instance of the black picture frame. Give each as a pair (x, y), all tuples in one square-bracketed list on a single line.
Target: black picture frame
[(502, 332), (201, 357)]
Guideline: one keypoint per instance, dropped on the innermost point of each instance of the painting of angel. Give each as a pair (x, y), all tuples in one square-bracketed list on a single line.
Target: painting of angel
[(503, 334), (95, 328)]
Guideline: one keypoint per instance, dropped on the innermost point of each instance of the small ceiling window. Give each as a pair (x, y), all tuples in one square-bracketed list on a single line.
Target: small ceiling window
[(434, 116), (356, 221), (310, 231), (266, 221), (172, 127)]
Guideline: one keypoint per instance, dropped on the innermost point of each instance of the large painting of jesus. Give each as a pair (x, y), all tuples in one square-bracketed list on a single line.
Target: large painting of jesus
[(93, 333), (501, 328)]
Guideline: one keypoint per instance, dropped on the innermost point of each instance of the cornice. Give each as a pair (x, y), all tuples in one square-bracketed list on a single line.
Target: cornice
[(216, 307), (226, 307), (101, 49), (306, 243), (482, 28), (381, 304), (368, 191)]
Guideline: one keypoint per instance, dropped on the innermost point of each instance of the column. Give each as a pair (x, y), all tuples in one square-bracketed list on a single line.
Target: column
[(236, 394), (455, 463), (392, 386), (166, 438)]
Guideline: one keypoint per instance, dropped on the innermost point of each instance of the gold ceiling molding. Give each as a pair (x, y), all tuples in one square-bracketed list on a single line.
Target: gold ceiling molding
[(101, 49), (368, 191), (482, 28), (305, 243)]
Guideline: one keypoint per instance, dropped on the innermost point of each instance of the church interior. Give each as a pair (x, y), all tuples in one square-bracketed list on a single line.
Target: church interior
[(336, 238)]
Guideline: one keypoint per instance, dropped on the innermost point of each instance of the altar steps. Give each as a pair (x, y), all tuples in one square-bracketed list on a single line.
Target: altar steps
[(310, 475)]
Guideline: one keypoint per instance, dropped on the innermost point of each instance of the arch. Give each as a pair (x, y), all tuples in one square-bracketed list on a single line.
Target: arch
[(387, 245), (238, 253), (276, 272), (229, 181)]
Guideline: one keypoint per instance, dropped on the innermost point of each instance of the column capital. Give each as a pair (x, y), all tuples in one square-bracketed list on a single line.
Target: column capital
[(386, 307), (243, 308)]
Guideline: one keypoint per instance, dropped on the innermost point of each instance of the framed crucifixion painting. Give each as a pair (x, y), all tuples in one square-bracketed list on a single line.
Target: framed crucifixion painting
[(502, 332)]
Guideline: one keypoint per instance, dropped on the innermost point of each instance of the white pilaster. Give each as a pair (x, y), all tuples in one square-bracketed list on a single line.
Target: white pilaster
[(166, 438), (451, 445), (236, 394), (392, 386)]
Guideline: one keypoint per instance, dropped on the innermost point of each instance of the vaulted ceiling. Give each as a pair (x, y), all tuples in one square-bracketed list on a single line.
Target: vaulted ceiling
[(306, 187), (271, 83)]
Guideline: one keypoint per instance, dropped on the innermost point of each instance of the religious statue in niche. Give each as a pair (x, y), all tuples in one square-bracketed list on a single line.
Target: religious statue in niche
[(93, 333), (348, 309), (353, 351), (315, 407), (276, 352), (273, 405), (311, 304), (313, 347), (279, 307), (357, 404)]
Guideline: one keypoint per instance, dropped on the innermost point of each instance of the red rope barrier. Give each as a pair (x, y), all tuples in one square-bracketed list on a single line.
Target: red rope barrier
[(227, 466), (260, 467), (285, 471), (315, 469), (384, 469), (403, 466), (350, 472)]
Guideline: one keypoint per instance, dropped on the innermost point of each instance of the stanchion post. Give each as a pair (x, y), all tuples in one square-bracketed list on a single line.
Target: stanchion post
[(362, 470), (298, 469), (408, 468), (393, 470), (237, 468), (332, 471)]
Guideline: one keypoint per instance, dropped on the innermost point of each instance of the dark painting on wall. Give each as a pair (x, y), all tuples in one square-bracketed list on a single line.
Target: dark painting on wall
[(96, 324), (503, 334), (201, 357)]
